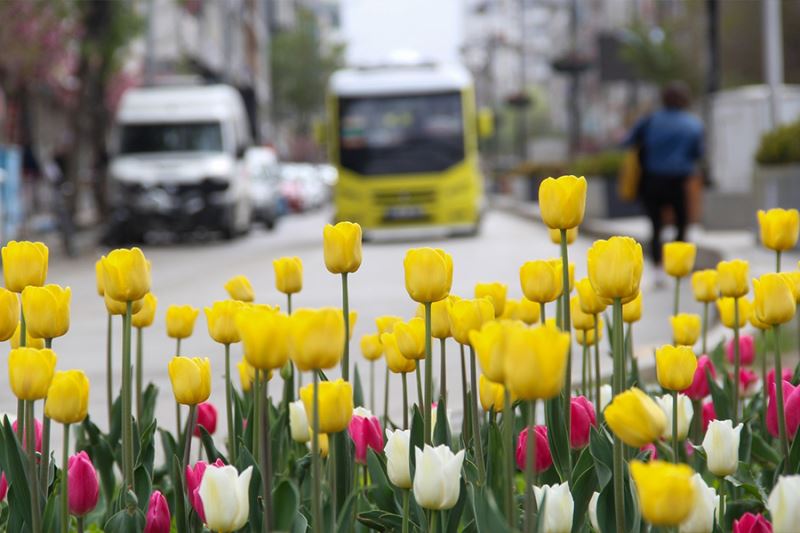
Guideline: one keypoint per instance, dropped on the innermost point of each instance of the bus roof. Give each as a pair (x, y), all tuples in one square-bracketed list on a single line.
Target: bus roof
[(399, 79)]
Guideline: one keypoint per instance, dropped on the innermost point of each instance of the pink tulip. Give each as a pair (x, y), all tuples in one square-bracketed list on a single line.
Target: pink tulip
[(786, 373), (709, 414), (543, 458), (752, 523), (3, 486), (206, 417), (791, 408), (581, 421), (699, 388), (365, 430), (83, 486), (37, 430), (158, 517), (650, 448), (193, 478), (747, 350), (748, 380)]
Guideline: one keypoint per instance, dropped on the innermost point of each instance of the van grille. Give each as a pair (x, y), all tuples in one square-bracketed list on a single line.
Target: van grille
[(405, 197)]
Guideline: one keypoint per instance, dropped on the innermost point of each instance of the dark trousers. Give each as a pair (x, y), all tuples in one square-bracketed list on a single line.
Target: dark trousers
[(659, 192)]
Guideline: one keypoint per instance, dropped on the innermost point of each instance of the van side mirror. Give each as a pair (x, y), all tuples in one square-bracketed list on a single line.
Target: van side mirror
[(240, 151), (485, 123), (320, 131)]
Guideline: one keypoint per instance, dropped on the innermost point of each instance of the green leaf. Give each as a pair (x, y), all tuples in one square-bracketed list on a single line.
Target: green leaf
[(149, 397), (126, 521), (454, 515), (13, 464), (495, 464), (342, 453), (720, 396), (381, 520), (208, 445), (416, 439), (584, 483), (605, 507), (602, 449), (358, 390), (487, 515), (178, 493), (557, 436), (380, 491), (143, 486), (441, 433), (102, 455), (244, 460), (344, 521), (794, 454), (286, 504), (764, 453)]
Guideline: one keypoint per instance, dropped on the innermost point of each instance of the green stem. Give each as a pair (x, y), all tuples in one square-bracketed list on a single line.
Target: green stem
[(372, 387), (629, 354), (597, 384), (266, 458), (346, 313), (21, 424), (443, 370), (178, 422), (405, 510), (736, 361), (139, 377), (619, 487), (465, 407), (583, 369), (420, 399), (542, 314), (44, 466), (21, 403), (677, 300), (476, 430), (779, 400), (232, 444), (109, 369), (23, 328), (764, 356), (777, 261), (80, 524), (508, 444), (530, 463), (178, 347), (386, 398), (187, 437), (705, 327), (674, 426), (428, 427), (257, 414), (315, 466), (65, 481), (30, 437), (289, 304), (722, 503), (566, 325), (127, 411), (404, 376), (433, 521)]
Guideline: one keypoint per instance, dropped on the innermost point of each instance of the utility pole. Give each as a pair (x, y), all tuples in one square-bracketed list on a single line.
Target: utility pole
[(773, 55), (522, 111)]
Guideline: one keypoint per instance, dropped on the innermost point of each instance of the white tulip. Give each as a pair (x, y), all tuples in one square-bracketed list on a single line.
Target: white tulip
[(362, 412), (606, 393), (437, 477), (685, 412), (593, 511), (226, 498), (721, 445), (558, 507), (397, 456), (706, 501), (298, 422), (783, 504)]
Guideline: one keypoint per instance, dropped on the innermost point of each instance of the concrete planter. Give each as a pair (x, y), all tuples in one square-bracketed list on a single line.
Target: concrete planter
[(602, 200), (776, 186)]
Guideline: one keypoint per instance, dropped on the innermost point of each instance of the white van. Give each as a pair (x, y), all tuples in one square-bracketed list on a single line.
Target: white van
[(178, 162)]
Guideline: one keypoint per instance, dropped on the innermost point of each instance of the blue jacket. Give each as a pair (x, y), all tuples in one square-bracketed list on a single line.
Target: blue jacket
[(671, 140)]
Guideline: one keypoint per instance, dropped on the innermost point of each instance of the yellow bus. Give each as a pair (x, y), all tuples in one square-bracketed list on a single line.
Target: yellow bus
[(404, 140)]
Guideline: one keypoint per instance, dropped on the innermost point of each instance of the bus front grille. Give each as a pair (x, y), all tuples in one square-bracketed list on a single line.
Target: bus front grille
[(402, 198)]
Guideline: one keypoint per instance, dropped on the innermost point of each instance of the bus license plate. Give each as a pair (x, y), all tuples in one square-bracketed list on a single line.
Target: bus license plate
[(411, 212)]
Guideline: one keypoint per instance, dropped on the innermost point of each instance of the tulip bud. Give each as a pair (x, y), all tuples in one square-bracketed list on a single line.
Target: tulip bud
[(651, 452), (704, 285), (37, 432), (298, 422), (288, 274), (615, 268), (194, 476), (335, 404), (535, 362), (495, 293), (558, 507), (685, 328), (543, 459), (752, 523), (779, 230), (428, 274), (24, 264), (316, 338), (126, 275), (322, 441), (491, 394), (226, 497), (732, 278), (791, 409), (145, 316), (490, 346), (180, 321), (440, 316), (207, 418), (685, 412), (709, 414), (247, 374), (635, 418), (632, 311), (239, 288), (581, 321), (437, 478), (701, 518), (666, 491), (587, 337), (528, 311), (9, 314), (158, 519), (371, 347), (365, 430), (593, 511), (793, 280), (747, 382), (221, 320), (265, 337), (774, 301), (30, 342), (606, 395), (46, 310), (782, 503), (117, 308), (541, 281), (397, 458), (411, 338), (68, 397), (727, 309), (30, 372), (83, 488), (721, 445), (557, 265), (469, 315), (562, 201), (342, 247), (589, 301), (747, 350), (679, 258), (699, 388), (786, 375), (394, 358), (385, 324), (582, 420), (3, 486), (675, 366), (555, 235), (191, 379), (99, 275)]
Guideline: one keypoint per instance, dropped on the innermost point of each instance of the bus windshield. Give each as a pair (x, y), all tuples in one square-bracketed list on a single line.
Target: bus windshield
[(401, 134), (171, 137)]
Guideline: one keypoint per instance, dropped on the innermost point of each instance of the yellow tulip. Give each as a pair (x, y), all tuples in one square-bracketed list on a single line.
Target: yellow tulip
[(587, 337), (264, 336), (145, 316), (510, 310), (632, 311), (491, 394), (555, 235), (679, 258), (562, 201), (779, 228), (704, 285), (541, 280), (240, 288), (68, 397), (496, 294), (469, 315), (30, 342), (557, 264), (191, 379), (635, 418), (316, 338), (342, 247), (675, 366), (30, 372), (221, 321), (323, 443), (394, 357), (774, 302), (126, 275), (591, 302), (371, 347), (115, 307), (9, 314), (288, 274), (755, 322), (24, 264), (536, 362), (180, 321), (615, 268), (732, 278), (98, 277), (580, 320), (528, 311), (411, 338), (335, 405), (666, 492), (490, 344), (247, 374), (428, 274), (440, 316), (793, 279), (685, 328), (726, 309), (46, 310), (385, 324), (352, 319)]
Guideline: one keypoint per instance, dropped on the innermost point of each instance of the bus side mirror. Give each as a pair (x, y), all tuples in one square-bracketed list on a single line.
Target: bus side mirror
[(485, 123), (320, 131)]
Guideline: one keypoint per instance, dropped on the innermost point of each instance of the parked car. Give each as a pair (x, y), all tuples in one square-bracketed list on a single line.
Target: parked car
[(302, 186), (264, 171)]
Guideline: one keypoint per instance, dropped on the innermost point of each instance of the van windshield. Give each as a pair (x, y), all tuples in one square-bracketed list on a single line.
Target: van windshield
[(171, 137)]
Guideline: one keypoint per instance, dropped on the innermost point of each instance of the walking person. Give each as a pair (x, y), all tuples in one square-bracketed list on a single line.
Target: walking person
[(670, 143)]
